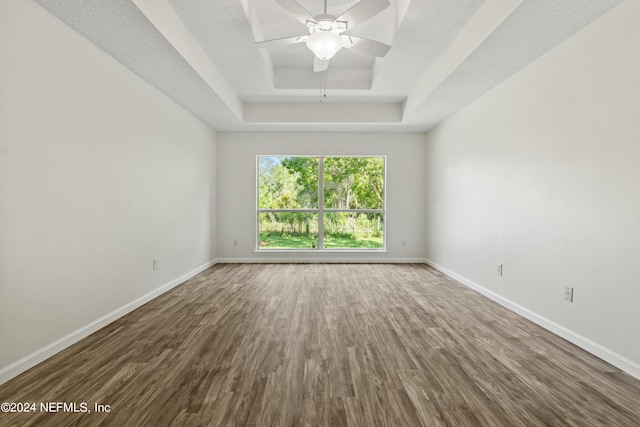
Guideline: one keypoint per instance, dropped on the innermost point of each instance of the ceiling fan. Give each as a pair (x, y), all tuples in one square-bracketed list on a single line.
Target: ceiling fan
[(328, 34)]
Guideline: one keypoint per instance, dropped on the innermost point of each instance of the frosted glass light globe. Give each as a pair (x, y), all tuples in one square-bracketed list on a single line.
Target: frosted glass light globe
[(324, 44)]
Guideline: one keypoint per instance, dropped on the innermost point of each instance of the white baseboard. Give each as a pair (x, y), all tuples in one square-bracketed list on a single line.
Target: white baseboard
[(303, 260), (31, 360), (44, 353), (617, 360)]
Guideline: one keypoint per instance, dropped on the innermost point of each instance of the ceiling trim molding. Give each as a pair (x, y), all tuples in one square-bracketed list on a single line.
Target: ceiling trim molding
[(323, 113), (168, 23), (490, 16)]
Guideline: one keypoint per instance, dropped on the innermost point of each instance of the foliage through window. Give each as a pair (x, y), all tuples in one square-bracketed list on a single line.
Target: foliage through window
[(321, 202)]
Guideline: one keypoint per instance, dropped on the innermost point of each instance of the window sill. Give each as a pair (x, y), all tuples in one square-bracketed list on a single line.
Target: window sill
[(320, 251)]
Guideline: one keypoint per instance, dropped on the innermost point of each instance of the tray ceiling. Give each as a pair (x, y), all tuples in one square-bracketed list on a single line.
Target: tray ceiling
[(444, 54)]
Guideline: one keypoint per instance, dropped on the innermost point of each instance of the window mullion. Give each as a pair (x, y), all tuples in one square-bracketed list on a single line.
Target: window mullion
[(320, 203)]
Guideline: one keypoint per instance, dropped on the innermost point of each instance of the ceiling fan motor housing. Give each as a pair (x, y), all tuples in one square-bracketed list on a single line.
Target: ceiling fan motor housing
[(325, 22)]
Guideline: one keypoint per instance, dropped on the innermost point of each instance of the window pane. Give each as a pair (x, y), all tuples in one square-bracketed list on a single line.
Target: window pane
[(344, 230), (288, 230), (354, 183), (287, 182)]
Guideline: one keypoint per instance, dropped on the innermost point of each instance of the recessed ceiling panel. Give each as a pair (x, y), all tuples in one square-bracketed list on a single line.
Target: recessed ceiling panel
[(421, 33)]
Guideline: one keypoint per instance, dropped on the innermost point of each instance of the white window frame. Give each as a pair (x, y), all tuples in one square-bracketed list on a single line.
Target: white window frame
[(321, 210)]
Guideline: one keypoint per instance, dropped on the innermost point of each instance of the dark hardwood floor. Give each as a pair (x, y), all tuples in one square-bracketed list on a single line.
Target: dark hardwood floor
[(325, 345)]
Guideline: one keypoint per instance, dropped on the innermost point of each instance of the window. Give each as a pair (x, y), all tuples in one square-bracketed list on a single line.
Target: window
[(321, 203)]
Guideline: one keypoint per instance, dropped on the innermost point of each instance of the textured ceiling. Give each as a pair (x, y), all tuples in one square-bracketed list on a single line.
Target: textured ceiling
[(445, 54)]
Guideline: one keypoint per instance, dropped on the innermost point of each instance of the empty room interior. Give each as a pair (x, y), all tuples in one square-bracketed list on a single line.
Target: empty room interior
[(309, 212)]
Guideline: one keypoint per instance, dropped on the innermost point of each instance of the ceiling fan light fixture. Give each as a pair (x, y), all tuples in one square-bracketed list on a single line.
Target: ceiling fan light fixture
[(324, 44)]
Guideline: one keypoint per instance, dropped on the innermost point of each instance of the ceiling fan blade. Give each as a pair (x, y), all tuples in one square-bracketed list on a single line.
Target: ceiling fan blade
[(281, 42), (366, 46), (297, 10), (320, 64), (363, 10)]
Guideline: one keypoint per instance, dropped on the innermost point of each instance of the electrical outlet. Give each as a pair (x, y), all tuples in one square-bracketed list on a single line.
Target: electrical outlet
[(155, 264), (235, 243), (568, 293), (499, 269), (404, 243)]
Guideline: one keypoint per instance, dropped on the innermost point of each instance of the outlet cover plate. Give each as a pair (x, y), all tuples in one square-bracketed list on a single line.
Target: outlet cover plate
[(568, 293)]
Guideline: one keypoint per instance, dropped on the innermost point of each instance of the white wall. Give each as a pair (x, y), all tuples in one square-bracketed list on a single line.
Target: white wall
[(99, 174), (542, 174), (237, 189)]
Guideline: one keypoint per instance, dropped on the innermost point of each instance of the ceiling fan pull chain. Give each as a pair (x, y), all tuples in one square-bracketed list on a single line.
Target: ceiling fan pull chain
[(324, 82), (323, 85)]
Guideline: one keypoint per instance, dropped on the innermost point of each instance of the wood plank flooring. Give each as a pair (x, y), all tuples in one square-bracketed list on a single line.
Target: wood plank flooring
[(325, 345)]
